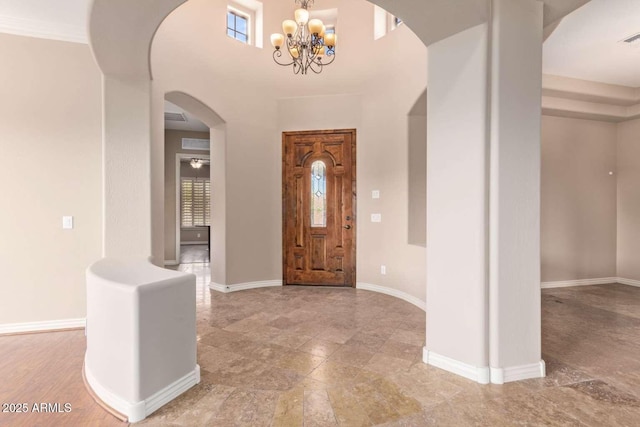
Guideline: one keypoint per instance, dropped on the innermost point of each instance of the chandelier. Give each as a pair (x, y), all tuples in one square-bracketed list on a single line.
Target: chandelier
[(196, 163), (305, 41)]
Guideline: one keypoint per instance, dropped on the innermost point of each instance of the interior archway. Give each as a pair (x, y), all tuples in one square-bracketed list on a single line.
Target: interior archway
[(217, 149)]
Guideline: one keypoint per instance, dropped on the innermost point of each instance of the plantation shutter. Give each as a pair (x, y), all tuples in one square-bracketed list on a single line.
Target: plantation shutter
[(195, 202)]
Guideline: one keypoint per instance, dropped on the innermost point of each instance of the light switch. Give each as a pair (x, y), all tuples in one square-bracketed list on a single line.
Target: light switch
[(376, 217), (375, 194), (67, 222)]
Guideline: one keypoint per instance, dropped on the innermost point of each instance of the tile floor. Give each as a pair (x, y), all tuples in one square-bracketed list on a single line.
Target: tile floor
[(190, 254), (307, 356), (323, 357)]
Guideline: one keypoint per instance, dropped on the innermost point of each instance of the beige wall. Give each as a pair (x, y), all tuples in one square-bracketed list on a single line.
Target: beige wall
[(417, 171), (629, 200), (578, 212), (50, 166), (361, 89), (173, 146)]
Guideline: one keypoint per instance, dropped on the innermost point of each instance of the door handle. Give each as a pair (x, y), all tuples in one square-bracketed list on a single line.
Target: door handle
[(348, 227)]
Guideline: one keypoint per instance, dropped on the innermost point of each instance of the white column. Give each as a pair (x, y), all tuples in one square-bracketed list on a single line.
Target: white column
[(483, 191), (126, 168), (516, 91)]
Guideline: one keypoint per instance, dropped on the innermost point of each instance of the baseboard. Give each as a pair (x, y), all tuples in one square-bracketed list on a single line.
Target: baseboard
[(580, 282), (138, 411), (170, 392), (50, 325), (133, 411), (394, 293), (479, 374), (629, 282), (171, 262), (194, 242), (517, 373), (244, 286)]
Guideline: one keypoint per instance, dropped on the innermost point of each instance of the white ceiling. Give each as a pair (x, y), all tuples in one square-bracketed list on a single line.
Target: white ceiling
[(192, 123), (587, 44)]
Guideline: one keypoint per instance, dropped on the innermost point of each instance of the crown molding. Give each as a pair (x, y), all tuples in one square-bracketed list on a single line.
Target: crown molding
[(43, 30)]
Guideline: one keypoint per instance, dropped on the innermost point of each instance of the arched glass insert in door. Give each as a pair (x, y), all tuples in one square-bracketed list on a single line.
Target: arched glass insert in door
[(318, 194)]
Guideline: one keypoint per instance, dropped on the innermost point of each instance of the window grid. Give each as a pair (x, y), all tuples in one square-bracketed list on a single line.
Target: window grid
[(195, 202), (238, 26)]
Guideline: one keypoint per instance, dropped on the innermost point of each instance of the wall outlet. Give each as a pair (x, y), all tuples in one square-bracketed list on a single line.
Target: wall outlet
[(198, 235), (376, 217), (383, 269), (375, 194), (67, 222)]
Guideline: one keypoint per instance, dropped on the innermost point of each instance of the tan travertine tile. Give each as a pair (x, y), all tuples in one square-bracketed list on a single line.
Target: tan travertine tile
[(317, 409), (217, 337), (289, 410), (299, 362), (245, 325), (273, 378), (347, 409), (216, 358), (368, 341), (593, 401), (351, 355), (400, 350), (422, 384), (290, 340), (387, 365), (336, 335), (263, 333), (201, 412), (319, 347), (312, 384), (247, 408), (384, 402), (533, 408), (268, 352), (241, 346), (334, 373), (409, 337), (283, 322), (403, 403)]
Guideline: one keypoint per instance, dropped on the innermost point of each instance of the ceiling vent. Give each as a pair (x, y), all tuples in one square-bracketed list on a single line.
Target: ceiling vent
[(633, 39), (175, 117)]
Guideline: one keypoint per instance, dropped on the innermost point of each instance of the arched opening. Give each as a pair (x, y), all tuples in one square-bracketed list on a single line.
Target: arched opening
[(195, 183)]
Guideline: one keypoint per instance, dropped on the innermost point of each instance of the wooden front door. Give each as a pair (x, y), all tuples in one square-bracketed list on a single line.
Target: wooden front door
[(319, 196)]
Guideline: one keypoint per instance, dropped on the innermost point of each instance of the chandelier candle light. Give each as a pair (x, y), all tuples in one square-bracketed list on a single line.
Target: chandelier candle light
[(306, 42)]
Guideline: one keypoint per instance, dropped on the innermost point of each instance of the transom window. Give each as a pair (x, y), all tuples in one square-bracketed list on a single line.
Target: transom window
[(195, 202), (237, 25)]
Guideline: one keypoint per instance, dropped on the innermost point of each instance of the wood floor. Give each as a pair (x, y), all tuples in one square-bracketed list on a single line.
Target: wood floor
[(47, 368), (297, 356)]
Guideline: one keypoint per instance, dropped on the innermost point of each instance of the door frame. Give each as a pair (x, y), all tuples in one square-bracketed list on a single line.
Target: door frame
[(179, 157), (354, 225)]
